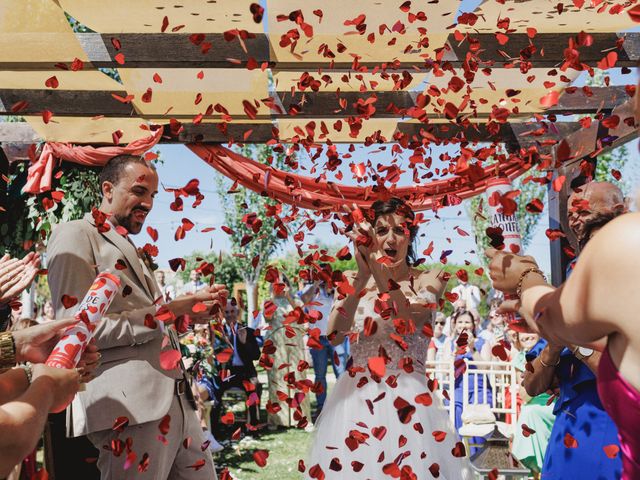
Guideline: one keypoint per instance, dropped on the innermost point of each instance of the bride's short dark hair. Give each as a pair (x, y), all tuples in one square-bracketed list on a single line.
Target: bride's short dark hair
[(396, 205)]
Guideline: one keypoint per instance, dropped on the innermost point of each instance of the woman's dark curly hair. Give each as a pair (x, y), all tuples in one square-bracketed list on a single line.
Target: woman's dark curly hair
[(396, 205)]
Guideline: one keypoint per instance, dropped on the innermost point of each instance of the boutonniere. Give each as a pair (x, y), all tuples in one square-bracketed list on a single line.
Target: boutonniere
[(147, 254)]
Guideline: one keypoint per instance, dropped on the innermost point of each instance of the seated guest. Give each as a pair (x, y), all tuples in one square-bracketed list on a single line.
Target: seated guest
[(535, 413), (493, 334), (321, 298), (436, 350), (240, 371), (29, 392), (461, 346)]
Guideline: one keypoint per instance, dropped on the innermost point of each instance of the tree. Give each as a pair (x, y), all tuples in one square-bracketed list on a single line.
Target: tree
[(226, 268), (256, 224)]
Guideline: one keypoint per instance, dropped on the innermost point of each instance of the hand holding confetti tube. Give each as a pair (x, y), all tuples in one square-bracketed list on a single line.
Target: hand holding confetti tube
[(75, 339)]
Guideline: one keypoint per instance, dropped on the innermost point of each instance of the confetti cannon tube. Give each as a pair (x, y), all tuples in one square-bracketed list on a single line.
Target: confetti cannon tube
[(75, 339), (496, 188)]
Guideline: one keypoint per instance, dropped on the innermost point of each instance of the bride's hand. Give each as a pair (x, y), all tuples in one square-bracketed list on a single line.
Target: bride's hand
[(363, 240)]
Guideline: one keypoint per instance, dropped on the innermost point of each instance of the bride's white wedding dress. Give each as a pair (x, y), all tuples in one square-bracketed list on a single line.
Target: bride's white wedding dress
[(372, 429)]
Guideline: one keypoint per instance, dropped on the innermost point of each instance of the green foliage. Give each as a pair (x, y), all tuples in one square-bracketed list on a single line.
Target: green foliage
[(248, 245), (479, 217), (226, 268), (614, 160), (28, 221)]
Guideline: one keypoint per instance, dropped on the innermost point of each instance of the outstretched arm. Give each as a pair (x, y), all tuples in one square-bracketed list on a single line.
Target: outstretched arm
[(599, 298)]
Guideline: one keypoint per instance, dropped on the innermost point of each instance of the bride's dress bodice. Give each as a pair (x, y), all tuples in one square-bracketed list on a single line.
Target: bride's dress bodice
[(390, 338)]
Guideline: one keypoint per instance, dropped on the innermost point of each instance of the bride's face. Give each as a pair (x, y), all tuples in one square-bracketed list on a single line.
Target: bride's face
[(393, 237)]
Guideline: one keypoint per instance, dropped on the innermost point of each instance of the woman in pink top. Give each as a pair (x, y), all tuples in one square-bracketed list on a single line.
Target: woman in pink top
[(595, 308)]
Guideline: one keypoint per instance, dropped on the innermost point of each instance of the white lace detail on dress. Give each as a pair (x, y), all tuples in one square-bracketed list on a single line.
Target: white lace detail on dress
[(397, 347)]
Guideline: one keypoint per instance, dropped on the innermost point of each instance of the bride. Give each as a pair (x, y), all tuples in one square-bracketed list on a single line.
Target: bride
[(383, 418)]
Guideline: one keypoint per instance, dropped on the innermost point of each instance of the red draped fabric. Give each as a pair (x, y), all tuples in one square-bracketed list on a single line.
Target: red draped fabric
[(311, 193), (40, 172)]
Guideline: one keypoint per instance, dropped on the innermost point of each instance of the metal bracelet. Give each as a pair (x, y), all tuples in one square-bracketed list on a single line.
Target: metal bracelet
[(524, 274)]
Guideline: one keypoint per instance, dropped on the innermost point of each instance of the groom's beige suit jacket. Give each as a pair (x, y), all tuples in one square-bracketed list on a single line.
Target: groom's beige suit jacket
[(130, 381)]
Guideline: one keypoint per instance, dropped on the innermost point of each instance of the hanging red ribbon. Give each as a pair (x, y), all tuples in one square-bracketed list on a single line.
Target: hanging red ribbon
[(41, 171), (308, 192)]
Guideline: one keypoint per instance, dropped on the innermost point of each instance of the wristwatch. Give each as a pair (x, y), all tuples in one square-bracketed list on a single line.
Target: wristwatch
[(7, 350), (582, 352)]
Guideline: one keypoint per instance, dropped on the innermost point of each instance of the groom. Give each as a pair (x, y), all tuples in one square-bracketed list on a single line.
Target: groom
[(138, 412)]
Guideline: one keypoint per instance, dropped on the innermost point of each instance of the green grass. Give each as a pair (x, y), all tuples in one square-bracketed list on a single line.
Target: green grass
[(285, 448)]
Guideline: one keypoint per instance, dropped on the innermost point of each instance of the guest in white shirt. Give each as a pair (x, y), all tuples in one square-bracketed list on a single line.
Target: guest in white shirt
[(468, 293), (168, 291), (194, 284)]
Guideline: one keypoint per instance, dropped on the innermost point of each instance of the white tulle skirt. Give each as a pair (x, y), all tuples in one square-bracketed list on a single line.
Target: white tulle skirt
[(375, 431)]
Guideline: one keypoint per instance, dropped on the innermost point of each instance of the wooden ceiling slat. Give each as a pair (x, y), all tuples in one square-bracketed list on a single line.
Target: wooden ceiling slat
[(308, 105), (158, 50)]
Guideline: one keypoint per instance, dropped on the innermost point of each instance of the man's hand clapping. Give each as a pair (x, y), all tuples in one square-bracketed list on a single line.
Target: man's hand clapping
[(16, 275)]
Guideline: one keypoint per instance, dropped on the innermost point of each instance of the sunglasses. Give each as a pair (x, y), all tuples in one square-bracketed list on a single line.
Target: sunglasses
[(440, 323)]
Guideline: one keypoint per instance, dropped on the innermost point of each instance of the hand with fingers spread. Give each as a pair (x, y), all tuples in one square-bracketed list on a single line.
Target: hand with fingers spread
[(363, 240), (16, 275), (214, 299)]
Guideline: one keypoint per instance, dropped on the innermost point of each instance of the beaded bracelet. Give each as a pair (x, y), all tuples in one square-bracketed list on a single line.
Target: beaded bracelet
[(524, 274)]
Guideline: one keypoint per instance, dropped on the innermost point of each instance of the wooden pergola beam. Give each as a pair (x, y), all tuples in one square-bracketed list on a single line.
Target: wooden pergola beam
[(549, 48), (388, 104), (177, 50)]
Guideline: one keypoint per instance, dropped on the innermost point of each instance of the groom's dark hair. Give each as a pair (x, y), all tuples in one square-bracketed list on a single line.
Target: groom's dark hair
[(396, 205)]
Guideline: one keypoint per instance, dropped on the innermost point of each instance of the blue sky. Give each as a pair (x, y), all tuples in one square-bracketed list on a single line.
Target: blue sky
[(181, 165)]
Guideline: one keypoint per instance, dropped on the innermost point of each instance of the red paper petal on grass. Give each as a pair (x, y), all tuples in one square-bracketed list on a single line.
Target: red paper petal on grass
[(260, 457), (169, 359)]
